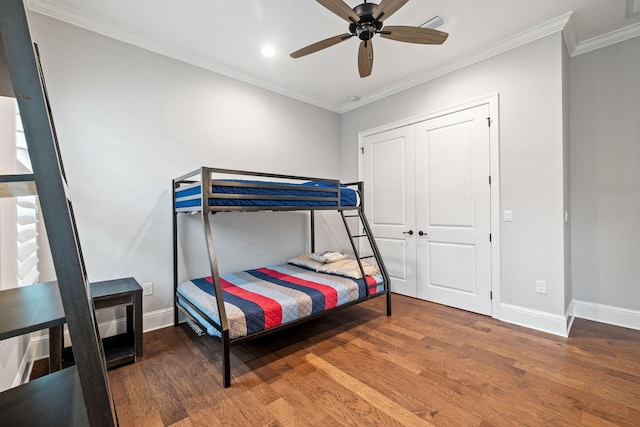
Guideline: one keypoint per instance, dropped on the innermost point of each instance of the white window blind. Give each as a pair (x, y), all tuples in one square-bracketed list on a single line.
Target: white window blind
[(27, 216)]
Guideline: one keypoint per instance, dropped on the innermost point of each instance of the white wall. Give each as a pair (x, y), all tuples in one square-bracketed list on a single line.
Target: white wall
[(130, 120), (529, 82), (566, 175), (605, 176), (8, 219)]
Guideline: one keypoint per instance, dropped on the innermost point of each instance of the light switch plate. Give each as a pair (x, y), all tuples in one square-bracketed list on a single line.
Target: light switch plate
[(508, 216)]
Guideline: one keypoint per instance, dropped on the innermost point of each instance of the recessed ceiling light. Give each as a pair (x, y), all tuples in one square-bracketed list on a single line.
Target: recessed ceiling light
[(432, 23), (269, 51), (353, 98)]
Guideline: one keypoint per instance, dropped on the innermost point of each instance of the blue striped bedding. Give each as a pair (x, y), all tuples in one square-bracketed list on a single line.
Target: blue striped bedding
[(264, 298), (348, 196)]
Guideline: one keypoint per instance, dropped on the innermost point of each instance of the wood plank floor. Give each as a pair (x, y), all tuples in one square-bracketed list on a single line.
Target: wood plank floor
[(425, 365)]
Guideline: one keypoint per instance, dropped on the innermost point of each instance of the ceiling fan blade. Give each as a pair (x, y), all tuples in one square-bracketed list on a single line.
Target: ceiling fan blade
[(341, 9), (321, 45), (386, 8), (414, 34), (365, 58)]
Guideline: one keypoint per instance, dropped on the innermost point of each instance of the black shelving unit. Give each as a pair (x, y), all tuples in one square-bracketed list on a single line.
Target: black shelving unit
[(79, 395), (125, 347)]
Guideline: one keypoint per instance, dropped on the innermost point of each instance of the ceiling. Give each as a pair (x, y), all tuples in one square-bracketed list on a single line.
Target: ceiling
[(227, 36)]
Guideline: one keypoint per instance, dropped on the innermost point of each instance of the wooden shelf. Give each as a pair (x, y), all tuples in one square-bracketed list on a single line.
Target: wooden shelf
[(126, 347), (119, 350), (53, 400), (29, 309), (17, 186), (32, 308), (36, 307)]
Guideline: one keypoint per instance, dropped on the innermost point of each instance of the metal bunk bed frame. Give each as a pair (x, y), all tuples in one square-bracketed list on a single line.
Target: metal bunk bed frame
[(205, 208)]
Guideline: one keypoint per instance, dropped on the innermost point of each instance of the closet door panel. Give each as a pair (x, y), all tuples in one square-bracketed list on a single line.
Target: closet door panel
[(453, 210), (452, 267), (389, 175), (394, 253), (450, 177), (389, 207)]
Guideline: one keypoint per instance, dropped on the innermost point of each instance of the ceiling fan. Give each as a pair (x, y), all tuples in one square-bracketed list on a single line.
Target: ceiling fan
[(365, 21)]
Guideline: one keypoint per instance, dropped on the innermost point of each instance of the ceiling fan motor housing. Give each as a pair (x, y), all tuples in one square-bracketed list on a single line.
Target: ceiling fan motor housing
[(367, 26)]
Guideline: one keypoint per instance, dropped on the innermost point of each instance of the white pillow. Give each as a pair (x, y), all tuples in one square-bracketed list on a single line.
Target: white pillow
[(349, 268), (305, 260), (327, 256)]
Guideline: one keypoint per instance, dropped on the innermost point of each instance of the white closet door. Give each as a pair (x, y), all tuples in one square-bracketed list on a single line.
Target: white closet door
[(453, 210), (389, 176)]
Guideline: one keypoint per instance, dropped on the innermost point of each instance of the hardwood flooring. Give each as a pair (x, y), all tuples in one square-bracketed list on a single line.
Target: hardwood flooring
[(425, 365)]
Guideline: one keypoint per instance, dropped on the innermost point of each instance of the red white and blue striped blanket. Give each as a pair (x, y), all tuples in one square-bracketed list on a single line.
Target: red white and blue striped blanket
[(264, 298)]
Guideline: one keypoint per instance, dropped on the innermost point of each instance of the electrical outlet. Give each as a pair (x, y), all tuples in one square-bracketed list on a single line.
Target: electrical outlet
[(147, 288), (541, 287)]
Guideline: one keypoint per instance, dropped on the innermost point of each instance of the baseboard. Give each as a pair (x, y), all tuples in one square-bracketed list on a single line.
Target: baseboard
[(157, 319), (24, 372), (607, 314), (150, 322), (24, 369), (16, 373), (570, 316), (534, 319)]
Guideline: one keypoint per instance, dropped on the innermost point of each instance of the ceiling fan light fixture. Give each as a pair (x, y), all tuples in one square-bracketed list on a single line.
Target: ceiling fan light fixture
[(432, 23), (365, 21), (365, 32)]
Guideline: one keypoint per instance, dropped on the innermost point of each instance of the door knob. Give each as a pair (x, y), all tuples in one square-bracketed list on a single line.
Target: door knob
[(410, 232), (422, 233)]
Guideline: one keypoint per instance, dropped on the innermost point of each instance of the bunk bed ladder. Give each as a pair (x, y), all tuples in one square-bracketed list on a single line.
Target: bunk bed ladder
[(17, 54), (365, 232)]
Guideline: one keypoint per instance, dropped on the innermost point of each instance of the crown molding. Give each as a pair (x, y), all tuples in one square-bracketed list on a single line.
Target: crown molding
[(540, 31), (570, 35), (608, 39), (564, 23), (89, 23)]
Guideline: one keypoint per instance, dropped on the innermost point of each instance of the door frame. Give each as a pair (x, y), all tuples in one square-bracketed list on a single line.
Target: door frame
[(493, 101)]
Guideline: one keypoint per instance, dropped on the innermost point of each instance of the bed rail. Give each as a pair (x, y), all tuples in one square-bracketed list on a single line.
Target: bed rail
[(224, 190)]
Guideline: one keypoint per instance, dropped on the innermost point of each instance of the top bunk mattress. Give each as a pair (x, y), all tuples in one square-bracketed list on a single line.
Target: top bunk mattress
[(235, 193)]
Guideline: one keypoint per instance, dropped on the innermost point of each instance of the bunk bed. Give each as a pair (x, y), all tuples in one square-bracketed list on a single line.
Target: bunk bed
[(237, 307)]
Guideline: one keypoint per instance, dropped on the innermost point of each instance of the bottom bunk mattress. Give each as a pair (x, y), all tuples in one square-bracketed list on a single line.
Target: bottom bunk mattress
[(264, 298)]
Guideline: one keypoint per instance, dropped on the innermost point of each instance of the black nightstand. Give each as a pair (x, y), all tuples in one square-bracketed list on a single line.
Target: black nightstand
[(125, 347)]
